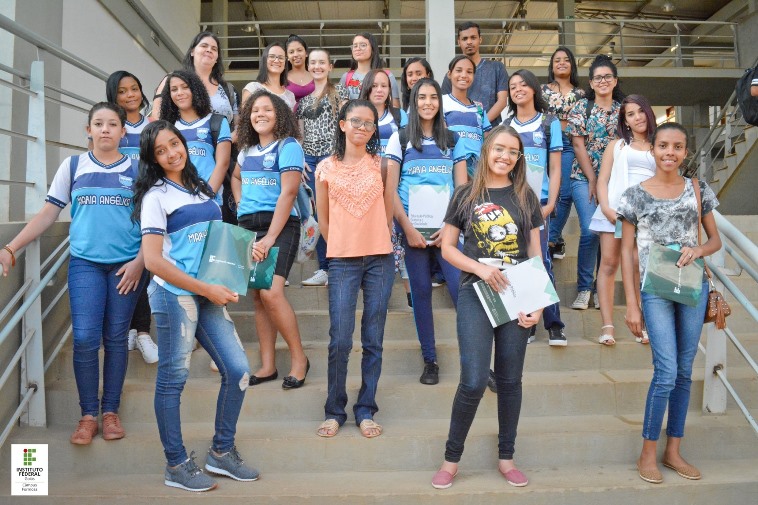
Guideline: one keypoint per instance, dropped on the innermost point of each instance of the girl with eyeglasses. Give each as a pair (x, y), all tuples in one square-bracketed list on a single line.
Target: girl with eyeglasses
[(592, 125), (299, 80), (355, 216), (265, 183), (425, 159), (500, 217), (272, 75), (366, 57)]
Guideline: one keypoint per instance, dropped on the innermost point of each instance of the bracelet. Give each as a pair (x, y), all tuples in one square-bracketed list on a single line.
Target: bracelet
[(12, 253)]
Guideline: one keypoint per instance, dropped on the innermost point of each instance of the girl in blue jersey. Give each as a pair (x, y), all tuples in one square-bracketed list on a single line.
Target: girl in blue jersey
[(105, 273), (185, 103), (377, 90), (265, 183), (426, 164), (464, 116), (125, 90), (175, 206), (414, 69)]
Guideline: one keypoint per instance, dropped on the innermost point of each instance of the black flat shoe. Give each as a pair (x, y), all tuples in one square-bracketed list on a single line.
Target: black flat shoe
[(260, 380), (290, 382)]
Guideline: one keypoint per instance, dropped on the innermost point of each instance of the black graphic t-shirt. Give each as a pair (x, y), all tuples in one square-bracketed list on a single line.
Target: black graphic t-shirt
[(494, 229)]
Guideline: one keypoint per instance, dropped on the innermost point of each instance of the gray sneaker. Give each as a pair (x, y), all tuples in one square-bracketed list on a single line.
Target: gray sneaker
[(231, 465), (189, 477)]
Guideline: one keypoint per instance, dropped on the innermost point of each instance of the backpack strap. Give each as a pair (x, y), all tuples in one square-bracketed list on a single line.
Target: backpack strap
[(73, 164), (588, 108), (403, 137), (450, 139), (547, 122), (215, 127)]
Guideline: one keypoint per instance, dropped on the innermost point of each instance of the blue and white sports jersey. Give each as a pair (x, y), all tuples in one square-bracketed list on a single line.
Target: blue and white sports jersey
[(101, 198), (129, 144), (536, 152), (387, 127), (469, 122), (431, 166), (261, 169), (200, 146), (182, 218)]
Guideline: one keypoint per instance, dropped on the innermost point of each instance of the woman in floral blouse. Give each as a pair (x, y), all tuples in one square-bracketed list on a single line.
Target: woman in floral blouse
[(592, 124), (561, 93)]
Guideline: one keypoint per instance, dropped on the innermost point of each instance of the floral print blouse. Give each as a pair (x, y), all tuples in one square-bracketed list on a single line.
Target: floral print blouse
[(599, 129), (561, 105)]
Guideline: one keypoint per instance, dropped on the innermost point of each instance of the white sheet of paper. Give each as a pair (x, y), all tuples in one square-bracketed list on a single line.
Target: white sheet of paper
[(427, 206)]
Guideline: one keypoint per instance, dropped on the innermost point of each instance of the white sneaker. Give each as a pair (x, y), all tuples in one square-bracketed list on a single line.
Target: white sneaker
[(582, 301), (596, 301), (132, 340), (320, 278), (147, 347)]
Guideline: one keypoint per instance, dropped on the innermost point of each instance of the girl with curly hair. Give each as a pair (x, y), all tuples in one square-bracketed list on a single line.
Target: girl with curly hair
[(355, 215), (186, 105), (265, 183), (272, 76)]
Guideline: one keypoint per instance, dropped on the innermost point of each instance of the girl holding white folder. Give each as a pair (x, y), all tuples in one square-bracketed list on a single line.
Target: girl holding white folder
[(500, 217)]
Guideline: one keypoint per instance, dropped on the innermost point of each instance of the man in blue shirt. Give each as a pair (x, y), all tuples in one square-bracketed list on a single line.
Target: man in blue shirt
[(490, 86)]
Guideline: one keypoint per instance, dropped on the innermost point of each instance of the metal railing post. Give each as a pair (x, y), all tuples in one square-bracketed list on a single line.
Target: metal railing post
[(33, 359), (714, 391), (36, 162)]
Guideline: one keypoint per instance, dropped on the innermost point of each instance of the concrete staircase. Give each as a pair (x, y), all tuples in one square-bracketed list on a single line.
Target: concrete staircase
[(579, 434)]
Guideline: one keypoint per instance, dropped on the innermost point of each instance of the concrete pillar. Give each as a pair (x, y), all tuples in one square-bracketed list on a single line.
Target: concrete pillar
[(567, 36), (220, 12), (393, 12), (440, 35)]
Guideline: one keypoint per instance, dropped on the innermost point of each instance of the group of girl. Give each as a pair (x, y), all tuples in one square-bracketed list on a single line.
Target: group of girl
[(364, 183)]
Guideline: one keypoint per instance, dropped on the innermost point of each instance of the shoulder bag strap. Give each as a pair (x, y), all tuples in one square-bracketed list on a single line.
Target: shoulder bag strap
[(696, 189)]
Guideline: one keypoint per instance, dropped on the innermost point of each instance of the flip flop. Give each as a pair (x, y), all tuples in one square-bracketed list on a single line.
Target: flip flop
[(369, 424), (328, 428)]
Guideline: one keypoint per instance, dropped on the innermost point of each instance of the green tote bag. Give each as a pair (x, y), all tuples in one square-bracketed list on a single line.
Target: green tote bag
[(262, 273), (227, 256)]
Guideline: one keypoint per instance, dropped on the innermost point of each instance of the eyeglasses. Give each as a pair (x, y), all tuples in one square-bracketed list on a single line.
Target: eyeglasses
[(357, 123), (276, 57), (606, 78), (360, 45), (502, 152)]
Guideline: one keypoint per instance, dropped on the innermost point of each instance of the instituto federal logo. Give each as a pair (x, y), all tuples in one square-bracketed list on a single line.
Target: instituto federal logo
[(29, 470)]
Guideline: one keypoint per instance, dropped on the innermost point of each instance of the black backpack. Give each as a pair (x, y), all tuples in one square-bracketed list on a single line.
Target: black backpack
[(748, 103), (547, 120)]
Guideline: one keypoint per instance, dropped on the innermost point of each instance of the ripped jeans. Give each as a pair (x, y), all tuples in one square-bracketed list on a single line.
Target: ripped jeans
[(180, 319)]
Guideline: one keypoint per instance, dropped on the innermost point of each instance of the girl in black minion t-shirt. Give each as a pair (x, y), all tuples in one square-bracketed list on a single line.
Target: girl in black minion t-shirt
[(500, 218)]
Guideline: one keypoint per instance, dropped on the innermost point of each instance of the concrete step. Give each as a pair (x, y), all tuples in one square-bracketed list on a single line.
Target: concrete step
[(733, 481), (578, 392), (293, 446)]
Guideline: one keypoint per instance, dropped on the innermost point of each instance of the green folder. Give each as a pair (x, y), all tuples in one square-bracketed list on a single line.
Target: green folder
[(227, 256), (262, 274), (666, 280)]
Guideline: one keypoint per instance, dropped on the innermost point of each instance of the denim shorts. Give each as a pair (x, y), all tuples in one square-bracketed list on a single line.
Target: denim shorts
[(288, 240)]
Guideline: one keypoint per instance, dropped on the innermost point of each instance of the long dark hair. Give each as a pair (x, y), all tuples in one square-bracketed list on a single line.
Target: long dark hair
[(285, 126), (263, 65), (368, 83), (376, 61), (217, 72), (295, 38), (574, 76), (405, 90), (151, 173), (624, 131), (340, 143), (540, 105), (111, 87), (439, 129), (601, 60), (528, 201), (201, 102)]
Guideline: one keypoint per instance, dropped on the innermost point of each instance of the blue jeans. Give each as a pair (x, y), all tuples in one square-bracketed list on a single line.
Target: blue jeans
[(475, 337), (312, 161), (551, 315), (563, 205), (417, 261), (99, 314), (674, 330), (589, 242), (375, 275), (180, 320)]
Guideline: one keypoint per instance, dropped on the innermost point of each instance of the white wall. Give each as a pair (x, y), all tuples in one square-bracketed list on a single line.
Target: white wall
[(179, 18), (8, 8)]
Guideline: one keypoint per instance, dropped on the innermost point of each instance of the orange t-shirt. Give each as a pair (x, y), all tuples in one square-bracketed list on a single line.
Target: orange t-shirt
[(357, 217)]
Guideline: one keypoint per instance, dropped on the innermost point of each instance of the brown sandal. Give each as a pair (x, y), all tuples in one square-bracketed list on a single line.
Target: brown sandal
[(367, 425), (328, 428)]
